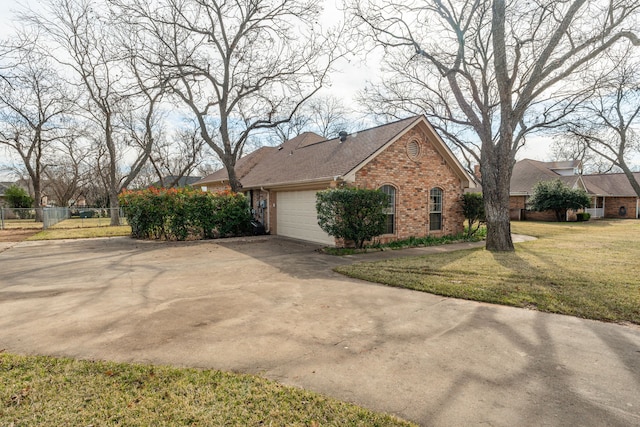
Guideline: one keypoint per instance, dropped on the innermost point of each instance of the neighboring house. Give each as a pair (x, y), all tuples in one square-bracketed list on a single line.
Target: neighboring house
[(183, 181), (611, 194), (405, 159)]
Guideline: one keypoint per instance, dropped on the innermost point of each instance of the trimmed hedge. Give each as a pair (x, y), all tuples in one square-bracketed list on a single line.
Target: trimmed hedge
[(185, 213)]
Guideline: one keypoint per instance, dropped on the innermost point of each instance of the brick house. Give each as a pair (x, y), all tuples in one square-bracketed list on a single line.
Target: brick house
[(405, 159), (611, 194)]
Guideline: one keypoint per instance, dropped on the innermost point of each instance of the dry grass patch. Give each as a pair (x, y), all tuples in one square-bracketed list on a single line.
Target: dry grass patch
[(81, 233), (588, 270), (56, 392)]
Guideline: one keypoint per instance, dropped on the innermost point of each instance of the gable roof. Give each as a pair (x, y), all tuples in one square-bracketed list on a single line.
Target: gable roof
[(183, 181), (311, 158), (610, 184), (3, 187), (527, 173)]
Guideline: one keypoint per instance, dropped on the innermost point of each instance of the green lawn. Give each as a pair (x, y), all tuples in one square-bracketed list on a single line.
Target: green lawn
[(588, 269), (45, 391)]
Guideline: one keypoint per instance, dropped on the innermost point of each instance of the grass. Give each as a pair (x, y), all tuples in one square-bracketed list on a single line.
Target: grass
[(587, 269), (39, 391), (81, 233), (10, 224), (411, 242), (85, 222)]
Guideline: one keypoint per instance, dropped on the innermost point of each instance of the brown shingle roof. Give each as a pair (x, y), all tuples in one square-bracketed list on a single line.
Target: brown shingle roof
[(309, 157), (527, 173), (243, 166), (610, 184), (324, 159)]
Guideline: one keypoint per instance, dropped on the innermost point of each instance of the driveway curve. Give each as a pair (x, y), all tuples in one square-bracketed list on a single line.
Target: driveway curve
[(274, 307)]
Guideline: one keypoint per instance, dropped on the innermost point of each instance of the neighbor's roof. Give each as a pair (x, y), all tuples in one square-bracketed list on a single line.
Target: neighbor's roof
[(566, 164), (610, 184), (527, 173), (4, 185), (183, 181), (309, 157)]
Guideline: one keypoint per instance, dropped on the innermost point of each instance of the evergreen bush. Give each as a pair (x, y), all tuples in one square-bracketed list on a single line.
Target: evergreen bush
[(353, 214), (185, 213)]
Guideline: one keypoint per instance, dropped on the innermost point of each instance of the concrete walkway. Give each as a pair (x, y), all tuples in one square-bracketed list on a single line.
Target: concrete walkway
[(275, 308)]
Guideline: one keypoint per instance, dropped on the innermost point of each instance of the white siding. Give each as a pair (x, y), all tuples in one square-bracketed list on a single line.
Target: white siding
[(297, 217)]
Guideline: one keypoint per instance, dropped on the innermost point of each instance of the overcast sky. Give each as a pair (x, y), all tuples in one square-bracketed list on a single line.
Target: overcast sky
[(351, 77)]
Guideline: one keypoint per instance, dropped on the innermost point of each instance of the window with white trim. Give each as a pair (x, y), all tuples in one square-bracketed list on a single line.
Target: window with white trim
[(435, 209), (390, 191)]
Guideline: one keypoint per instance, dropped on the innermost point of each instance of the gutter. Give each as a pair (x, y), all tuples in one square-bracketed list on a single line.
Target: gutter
[(305, 182)]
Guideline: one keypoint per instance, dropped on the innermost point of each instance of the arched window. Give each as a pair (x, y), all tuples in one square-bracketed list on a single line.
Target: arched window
[(391, 210), (435, 209)]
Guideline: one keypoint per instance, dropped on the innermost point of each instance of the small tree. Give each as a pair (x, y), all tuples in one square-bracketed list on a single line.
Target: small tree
[(557, 197), (18, 199), (354, 214), (473, 210)]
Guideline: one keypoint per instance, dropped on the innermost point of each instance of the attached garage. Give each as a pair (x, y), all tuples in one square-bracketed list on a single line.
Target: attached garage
[(297, 217)]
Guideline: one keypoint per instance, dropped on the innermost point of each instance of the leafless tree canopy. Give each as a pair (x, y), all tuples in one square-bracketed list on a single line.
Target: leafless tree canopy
[(489, 73), (237, 66), (325, 115), (34, 108), (607, 123)]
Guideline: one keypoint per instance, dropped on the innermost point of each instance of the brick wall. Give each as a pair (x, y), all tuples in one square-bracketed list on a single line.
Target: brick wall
[(413, 178), (516, 207), (260, 198), (612, 207)]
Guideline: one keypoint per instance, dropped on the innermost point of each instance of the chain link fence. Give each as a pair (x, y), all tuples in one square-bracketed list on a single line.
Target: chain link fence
[(54, 217)]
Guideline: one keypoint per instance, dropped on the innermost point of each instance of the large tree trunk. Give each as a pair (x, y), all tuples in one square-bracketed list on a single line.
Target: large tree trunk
[(229, 162), (496, 168), (632, 179), (114, 205), (37, 200)]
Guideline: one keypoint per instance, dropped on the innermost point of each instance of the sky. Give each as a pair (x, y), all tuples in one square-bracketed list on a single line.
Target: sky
[(351, 77)]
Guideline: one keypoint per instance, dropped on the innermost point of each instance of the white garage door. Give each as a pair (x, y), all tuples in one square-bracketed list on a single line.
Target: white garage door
[(297, 217)]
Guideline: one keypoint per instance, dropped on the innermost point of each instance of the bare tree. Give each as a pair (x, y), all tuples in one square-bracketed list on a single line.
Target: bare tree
[(179, 157), (570, 147), (607, 122), (237, 67), (489, 73), (325, 115), (34, 103), (69, 171), (87, 42)]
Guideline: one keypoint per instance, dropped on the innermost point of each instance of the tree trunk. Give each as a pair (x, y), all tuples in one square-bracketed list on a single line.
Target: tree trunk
[(632, 179), (37, 200), (230, 163), (114, 205), (496, 171)]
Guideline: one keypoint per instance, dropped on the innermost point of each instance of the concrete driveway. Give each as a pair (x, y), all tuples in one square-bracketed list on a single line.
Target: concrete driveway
[(274, 307)]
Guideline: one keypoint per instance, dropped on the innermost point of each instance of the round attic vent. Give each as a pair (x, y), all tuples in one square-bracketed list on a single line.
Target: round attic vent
[(413, 149)]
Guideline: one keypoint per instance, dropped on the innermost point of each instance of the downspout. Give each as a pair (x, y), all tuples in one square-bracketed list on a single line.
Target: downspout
[(637, 207), (267, 221)]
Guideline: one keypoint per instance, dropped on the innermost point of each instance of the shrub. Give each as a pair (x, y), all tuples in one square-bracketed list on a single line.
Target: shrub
[(583, 216), (353, 214), (473, 210), (184, 213), (18, 199), (557, 197)]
